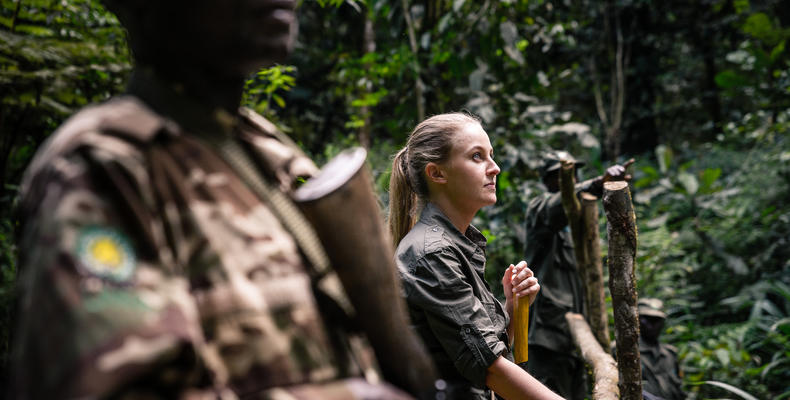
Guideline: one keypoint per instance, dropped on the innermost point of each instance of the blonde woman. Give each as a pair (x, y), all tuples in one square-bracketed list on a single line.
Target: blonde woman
[(445, 174)]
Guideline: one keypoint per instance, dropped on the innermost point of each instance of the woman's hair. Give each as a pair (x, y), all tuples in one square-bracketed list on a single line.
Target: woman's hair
[(430, 141)]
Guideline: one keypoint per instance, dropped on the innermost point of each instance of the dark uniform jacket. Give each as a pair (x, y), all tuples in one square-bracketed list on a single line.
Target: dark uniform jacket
[(462, 324), (660, 370), (148, 268), (549, 253)]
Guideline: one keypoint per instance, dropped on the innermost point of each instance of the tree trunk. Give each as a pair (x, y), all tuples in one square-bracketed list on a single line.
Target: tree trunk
[(593, 271), (368, 46), (419, 86), (611, 119), (604, 367), (621, 229)]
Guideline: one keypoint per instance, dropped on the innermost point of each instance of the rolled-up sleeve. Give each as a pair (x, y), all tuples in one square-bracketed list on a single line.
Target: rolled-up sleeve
[(466, 328)]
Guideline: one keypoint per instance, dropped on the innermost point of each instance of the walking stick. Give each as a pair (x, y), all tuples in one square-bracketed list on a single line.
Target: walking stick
[(521, 329)]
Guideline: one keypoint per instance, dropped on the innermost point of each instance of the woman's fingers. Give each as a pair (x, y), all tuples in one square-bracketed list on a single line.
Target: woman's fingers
[(526, 287)]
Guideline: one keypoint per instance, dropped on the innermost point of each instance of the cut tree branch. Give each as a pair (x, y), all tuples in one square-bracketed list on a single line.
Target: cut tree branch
[(604, 367), (593, 270), (621, 229)]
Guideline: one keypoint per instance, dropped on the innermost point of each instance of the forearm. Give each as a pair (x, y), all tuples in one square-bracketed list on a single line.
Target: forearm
[(511, 382)]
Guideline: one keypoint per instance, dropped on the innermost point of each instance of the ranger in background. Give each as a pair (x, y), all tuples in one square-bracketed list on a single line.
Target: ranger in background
[(553, 358), (149, 267), (661, 374)]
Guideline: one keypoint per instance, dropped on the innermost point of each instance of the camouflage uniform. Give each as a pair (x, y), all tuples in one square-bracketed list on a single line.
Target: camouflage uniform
[(149, 269)]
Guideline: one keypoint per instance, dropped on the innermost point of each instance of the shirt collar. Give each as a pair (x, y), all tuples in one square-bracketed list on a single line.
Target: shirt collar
[(469, 242)]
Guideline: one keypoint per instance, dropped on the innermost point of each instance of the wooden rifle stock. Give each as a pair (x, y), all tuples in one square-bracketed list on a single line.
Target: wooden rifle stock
[(340, 204)]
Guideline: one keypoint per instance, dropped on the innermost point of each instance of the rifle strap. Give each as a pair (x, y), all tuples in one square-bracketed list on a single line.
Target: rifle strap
[(287, 212)]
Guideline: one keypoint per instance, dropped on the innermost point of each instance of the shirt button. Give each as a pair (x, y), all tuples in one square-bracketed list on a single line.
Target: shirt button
[(467, 330)]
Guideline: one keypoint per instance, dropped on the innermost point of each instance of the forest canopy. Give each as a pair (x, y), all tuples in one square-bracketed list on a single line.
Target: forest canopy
[(697, 92)]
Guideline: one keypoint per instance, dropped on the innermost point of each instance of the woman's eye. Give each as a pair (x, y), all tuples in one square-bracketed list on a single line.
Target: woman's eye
[(477, 156)]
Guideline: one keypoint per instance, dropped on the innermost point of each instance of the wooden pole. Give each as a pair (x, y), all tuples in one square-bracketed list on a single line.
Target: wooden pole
[(621, 229), (603, 365), (573, 209), (521, 330), (593, 271), (583, 221)]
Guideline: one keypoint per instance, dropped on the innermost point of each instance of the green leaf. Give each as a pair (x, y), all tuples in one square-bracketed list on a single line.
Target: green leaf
[(503, 180), (761, 27), (740, 5), (777, 51), (707, 178), (279, 100), (729, 79), (689, 182), (664, 156), (723, 356)]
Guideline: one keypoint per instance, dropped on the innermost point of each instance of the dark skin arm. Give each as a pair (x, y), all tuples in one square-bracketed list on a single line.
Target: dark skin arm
[(615, 172)]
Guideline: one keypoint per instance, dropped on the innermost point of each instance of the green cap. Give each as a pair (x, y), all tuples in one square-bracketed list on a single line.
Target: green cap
[(651, 307)]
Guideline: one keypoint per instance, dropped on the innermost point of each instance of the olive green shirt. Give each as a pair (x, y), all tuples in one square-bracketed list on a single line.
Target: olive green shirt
[(660, 370), (462, 324)]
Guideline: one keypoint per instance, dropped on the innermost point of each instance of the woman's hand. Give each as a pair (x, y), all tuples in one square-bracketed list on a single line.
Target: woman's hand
[(519, 281)]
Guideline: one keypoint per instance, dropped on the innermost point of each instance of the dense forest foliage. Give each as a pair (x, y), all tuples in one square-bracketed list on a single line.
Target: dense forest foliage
[(698, 92)]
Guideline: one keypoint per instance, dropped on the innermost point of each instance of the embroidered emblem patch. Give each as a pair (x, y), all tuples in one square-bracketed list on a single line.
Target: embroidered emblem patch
[(106, 253)]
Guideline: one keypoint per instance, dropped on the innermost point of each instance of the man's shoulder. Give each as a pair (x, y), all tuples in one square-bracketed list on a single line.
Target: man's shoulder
[(538, 202), (115, 131), (125, 116), (122, 118)]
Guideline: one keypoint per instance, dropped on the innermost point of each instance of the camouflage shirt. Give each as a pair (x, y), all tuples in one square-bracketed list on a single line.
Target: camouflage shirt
[(149, 269)]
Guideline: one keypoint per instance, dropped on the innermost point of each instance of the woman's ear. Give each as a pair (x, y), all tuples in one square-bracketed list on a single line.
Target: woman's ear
[(435, 173)]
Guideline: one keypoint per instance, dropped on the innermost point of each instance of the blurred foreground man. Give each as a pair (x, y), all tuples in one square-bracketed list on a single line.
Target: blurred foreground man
[(661, 375), (553, 358), (149, 268)]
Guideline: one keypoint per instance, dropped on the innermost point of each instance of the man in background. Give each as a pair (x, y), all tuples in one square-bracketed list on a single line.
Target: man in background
[(661, 374), (553, 358)]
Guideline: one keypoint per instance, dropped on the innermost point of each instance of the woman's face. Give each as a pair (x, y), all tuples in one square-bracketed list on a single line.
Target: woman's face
[(471, 171)]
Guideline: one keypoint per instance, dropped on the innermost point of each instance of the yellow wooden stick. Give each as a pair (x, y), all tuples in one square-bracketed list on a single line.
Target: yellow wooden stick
[(521, 329)]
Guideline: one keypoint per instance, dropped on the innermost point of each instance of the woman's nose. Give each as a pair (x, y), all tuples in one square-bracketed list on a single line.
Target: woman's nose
[(493, 169)]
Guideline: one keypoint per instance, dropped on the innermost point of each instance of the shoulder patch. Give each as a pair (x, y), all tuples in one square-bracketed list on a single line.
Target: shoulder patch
[(106, 253)]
